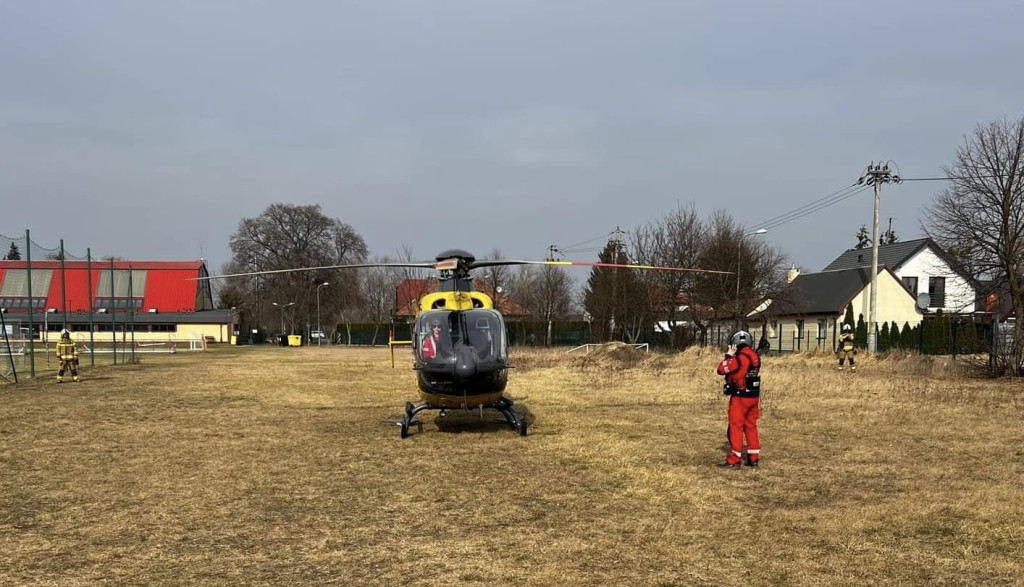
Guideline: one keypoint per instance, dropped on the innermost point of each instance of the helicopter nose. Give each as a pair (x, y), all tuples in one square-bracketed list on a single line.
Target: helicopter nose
[(465, 363)]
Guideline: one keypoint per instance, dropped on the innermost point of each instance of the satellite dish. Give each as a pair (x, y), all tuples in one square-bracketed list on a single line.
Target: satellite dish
[(923, 300)]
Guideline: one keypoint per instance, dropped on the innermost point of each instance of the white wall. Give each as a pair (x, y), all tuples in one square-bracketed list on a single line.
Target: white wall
[(959, 294)]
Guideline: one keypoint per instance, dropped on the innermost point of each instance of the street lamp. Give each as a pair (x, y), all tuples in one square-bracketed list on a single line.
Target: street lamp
[(320, 332), (280, 307), (739, 256), (46, 324)]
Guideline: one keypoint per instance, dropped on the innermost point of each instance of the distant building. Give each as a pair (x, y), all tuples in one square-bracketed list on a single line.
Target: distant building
[(924, 267), (807, 315), (154, 300)]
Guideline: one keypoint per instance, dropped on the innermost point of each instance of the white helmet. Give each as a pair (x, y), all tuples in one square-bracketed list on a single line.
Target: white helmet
[(65, 333), (740, 338), (846, 328)]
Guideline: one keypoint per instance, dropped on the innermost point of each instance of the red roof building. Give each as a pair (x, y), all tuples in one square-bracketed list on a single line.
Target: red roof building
[(164, 286), (162, 297)]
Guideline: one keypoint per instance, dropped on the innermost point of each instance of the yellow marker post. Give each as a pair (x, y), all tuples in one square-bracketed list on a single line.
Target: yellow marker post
[(392, 343)]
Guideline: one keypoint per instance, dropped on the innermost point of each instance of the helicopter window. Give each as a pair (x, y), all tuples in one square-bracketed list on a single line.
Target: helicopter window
[(434, 335), (485, 332)]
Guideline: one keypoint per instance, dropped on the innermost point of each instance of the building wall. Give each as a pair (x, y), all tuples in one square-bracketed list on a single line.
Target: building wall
[(184, 333), (816, 332), (959, 293), (894, 303)]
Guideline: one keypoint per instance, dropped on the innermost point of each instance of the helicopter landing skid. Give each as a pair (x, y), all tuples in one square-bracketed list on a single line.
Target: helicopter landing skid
[(503, 405)]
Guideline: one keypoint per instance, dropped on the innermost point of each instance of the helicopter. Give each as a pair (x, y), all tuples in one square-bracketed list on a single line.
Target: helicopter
[(460, 342)]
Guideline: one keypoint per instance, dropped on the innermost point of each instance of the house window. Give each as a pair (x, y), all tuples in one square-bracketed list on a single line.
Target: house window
[(799, 329), (19, 303), (911, 283), (822, 328), (937, 292)]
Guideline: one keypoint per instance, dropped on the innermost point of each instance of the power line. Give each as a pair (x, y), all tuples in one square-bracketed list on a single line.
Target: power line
[(812, 207), (570, 248), (952, 177)]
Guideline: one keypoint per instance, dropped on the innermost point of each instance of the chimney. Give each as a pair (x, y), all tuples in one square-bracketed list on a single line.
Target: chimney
[(792, 274)]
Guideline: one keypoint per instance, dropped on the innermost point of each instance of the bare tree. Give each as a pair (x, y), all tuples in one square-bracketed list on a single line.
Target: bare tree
[(286, 236), (547, 292), (675, 240), (497, 278), (380, 287), (979, 218), (760, 270)]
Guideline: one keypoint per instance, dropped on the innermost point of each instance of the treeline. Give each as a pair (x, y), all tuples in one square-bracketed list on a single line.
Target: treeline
[(940, 334), (287, 279)]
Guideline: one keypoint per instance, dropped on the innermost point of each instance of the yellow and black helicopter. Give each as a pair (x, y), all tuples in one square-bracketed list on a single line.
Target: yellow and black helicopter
[(459, 341)]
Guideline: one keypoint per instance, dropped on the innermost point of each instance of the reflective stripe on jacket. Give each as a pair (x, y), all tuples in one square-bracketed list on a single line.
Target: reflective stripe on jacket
[(66, 349)]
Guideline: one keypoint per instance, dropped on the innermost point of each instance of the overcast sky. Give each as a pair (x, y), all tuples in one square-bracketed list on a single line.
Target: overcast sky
[(148, 129)]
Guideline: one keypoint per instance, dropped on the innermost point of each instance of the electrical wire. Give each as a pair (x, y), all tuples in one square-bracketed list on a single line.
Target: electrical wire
[(572, 248), (951, 177), (812, 207)]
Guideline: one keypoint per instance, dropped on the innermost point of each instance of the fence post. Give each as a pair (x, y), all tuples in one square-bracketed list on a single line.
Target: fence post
[(31, 307)]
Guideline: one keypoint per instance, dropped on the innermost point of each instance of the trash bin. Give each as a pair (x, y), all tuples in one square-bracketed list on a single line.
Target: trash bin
[(234, 340), (294, 340)]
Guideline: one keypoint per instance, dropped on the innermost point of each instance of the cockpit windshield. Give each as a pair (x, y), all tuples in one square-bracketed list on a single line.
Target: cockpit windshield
[(438, 332), (434, 335), (485, 331)]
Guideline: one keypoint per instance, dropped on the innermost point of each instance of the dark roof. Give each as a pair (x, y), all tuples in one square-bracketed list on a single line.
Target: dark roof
[(894, 255), (828, 292)]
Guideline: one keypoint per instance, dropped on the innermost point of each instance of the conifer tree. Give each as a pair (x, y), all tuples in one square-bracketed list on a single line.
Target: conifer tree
[(883, 338), (908, 338), (13, 254), (863, 238), (968, 337), (860, 335)]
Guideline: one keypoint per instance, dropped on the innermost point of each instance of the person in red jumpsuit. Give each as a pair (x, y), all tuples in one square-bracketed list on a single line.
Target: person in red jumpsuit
[(432, 341), (741, 368)]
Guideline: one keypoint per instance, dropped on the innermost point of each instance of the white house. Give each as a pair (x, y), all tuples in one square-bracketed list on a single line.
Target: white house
[(924, 268)]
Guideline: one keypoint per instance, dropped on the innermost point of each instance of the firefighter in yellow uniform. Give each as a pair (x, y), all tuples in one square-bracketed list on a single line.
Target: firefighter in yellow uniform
[(67, 352), (845, 349)]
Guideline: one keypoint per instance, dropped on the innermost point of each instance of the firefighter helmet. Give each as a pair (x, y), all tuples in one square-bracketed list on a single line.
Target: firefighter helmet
[(65, 333), (741, 338), (846, 328)]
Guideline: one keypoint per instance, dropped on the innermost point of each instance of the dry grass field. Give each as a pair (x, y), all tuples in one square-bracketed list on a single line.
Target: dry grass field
[(272, 466)]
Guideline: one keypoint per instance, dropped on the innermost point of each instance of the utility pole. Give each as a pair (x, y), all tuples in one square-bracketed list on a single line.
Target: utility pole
[(617, 240), (875, 175)]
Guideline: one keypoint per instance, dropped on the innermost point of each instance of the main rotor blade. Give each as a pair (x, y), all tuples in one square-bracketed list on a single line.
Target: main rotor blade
[(583, 264), (422, 264)]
